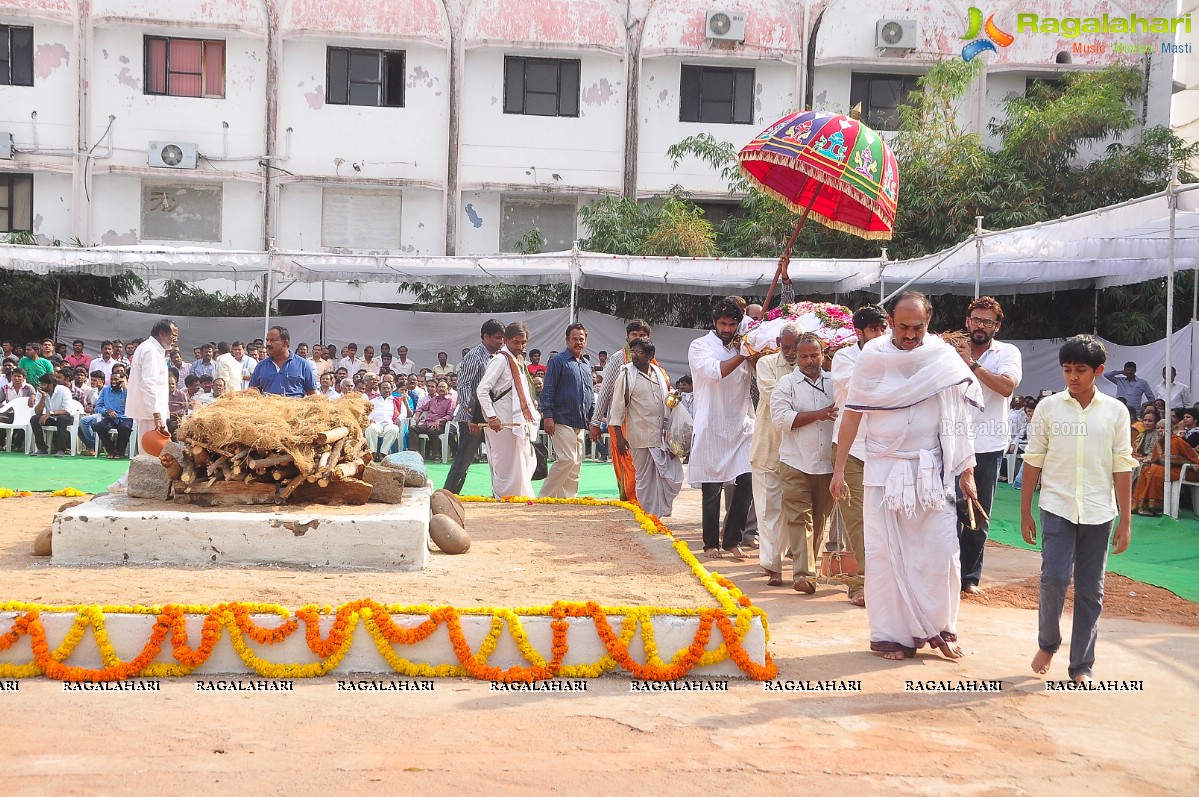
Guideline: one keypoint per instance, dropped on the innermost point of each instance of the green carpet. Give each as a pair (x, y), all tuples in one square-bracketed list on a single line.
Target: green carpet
[(1163, 552), (46, 474)]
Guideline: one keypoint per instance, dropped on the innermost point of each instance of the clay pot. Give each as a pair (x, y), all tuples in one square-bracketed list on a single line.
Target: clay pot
[(153, 441), (448, 535)]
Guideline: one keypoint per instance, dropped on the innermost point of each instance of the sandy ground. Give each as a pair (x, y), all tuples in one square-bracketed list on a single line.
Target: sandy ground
[(463, 735)]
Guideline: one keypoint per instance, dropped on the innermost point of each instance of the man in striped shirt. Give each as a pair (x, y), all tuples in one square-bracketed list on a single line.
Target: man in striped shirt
[(471, 370)]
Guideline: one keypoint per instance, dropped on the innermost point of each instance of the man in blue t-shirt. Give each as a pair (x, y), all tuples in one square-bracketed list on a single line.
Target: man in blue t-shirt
[(282, 372)]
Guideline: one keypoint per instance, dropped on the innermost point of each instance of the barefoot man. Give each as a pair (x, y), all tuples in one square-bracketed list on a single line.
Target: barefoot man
[(911, 394)]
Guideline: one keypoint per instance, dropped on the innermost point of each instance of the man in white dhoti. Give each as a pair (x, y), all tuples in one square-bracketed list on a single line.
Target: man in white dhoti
[(637, 419), (148, 402), (911, 393), (506, 397), (869, 322), (723, 427), (764, 459)]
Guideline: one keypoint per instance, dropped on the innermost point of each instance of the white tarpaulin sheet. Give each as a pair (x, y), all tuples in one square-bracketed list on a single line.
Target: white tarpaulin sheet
[(545, 269), (92, 324), (1119, 245), (147, 262), (717, 276)]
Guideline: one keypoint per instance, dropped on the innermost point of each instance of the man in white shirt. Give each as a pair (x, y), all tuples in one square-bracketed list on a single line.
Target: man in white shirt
[(764, 459), (869, 322), (229, 366), (402, 366), (382, 432), (148, 402), (369, 362), (998, 369), (723, 428), (1180, 394), (327, 388), (802, 409), (105, 361), (351, 362), (443, 367), (53, 411)]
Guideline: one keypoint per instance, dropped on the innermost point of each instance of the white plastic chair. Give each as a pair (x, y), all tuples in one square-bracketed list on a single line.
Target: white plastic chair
[(72, 432), (130, 451), (22, 412), (1193, 483)]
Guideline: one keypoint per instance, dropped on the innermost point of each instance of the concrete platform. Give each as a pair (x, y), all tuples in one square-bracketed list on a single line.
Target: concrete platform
[(116, 529)]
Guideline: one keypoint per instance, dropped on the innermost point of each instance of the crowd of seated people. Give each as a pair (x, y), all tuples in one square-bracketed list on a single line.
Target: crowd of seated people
[(412, 405)]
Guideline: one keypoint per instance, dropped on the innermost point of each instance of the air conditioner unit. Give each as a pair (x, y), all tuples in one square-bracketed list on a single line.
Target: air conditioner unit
[(726, 26), (6, 146), (896, 34), (172, 155)]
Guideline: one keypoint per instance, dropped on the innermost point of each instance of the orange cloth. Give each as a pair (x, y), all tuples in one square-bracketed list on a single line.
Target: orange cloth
[(626, 474), (1150, 492)]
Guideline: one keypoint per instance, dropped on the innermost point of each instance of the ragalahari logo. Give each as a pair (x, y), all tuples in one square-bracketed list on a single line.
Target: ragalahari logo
[(994, 36)]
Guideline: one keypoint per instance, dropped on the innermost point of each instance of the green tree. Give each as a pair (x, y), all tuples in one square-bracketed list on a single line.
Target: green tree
[(179, 298)]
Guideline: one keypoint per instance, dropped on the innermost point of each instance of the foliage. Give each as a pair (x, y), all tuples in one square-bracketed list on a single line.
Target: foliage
[(531, 243), (28, 311), (179, 298)]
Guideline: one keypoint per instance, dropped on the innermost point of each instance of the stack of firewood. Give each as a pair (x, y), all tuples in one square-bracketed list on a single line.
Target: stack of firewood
[(238, 474)]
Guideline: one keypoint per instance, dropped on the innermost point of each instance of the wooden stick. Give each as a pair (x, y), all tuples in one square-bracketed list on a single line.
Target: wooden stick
[(285, 492), (790, 243), (189, 472), (332, 436), (970, 513), (344, 470), (981, 511), (261, 465)]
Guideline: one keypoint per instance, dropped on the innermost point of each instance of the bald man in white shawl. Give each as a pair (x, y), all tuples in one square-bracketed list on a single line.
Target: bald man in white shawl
[(911, 393)]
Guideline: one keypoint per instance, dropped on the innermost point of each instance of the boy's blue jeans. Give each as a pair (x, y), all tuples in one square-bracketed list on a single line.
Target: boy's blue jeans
[(1067, 547)]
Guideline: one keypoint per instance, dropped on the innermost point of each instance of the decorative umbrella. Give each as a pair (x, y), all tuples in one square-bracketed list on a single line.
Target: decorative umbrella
[(829, 166)]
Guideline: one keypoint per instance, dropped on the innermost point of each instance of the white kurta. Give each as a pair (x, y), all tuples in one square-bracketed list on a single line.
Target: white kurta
[(723, 423), (764, 459), (148, 387), (510, 450)]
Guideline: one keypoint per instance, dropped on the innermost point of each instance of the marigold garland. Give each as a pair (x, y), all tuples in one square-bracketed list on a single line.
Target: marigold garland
[(733, 619)]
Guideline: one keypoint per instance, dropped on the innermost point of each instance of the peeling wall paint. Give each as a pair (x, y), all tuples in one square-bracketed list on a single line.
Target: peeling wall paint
[(126, 77), (420, 75), (315, 98), (401, 18), (55, 7), (475, 219), (113, 238), (47, 58), (598, 93), (551, 22), (675, 24)]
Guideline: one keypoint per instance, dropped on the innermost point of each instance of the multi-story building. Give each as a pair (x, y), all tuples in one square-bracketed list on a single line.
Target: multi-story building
[(435, 127)]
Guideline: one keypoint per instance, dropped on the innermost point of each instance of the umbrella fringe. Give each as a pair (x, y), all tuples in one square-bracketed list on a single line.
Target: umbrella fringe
[(856, 194)]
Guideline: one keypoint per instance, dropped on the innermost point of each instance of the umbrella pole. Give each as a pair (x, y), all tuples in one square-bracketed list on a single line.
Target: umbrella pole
[(787, 250)]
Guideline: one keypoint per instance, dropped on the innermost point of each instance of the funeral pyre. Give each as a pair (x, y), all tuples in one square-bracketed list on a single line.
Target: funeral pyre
[(254, 448)]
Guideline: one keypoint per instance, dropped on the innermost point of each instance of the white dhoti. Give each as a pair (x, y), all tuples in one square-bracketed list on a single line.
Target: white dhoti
[(659, 478), (512, 463), (768, 502), (381, 435), (913, 574), (563, 478)]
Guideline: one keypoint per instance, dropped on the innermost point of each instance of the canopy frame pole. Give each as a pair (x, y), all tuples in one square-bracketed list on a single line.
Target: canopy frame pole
[(1095, 314), (786, 256), (919, 276), (1168, 506), (266, 304), (882, 275), (322, 327), (978, 254), (57, 308), (1195, 295), (574, 267)]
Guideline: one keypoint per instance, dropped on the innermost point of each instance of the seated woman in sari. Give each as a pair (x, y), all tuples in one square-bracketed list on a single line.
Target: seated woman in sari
[(1149, 493), (1144, 439)]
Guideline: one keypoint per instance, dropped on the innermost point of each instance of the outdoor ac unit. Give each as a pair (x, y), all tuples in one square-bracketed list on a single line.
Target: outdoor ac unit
[(6, 146), (896, 34), (726, 26), (172, 155)]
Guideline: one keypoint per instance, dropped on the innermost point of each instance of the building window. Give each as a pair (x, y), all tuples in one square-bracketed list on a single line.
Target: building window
[(16, 202), (541, 86), (365, 77), (556, 220), (360, 220), (716, 95), (16, 56), (181, 212), (185, 67), (881, 97)]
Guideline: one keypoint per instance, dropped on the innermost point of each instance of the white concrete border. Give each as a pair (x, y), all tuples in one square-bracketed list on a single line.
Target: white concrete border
[(115, 529), (128, 634)]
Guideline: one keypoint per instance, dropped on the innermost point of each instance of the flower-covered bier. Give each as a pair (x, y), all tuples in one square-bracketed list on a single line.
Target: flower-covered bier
[(832, 323)]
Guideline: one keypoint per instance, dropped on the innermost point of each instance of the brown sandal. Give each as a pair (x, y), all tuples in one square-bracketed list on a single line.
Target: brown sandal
[(804, 585)]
